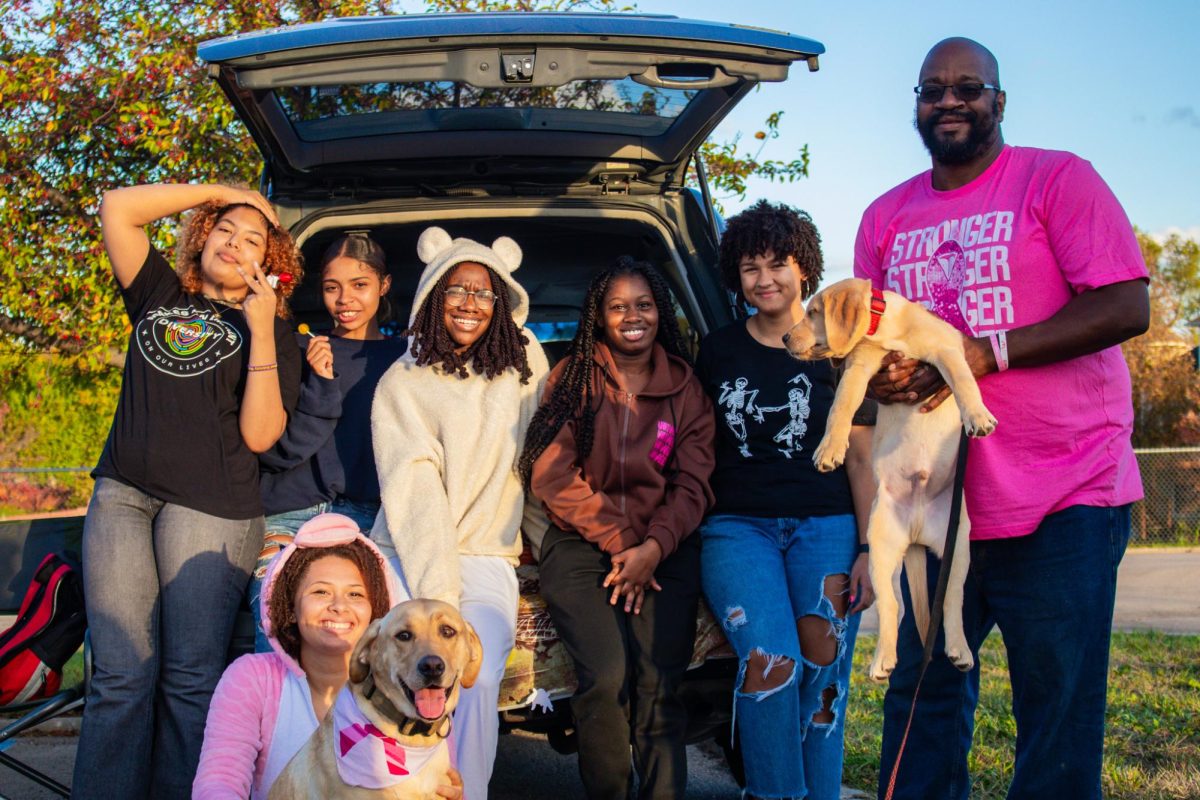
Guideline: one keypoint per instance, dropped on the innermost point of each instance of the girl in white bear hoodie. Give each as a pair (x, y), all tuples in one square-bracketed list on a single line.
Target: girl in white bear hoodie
[(448, 421)]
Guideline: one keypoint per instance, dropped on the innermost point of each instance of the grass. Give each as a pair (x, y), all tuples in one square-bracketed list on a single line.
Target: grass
[(1180, 536), (1152, 740)]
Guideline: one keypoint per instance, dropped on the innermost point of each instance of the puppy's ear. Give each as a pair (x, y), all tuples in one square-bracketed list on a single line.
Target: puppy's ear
[(847, 314), (474, 657), (360, 660)]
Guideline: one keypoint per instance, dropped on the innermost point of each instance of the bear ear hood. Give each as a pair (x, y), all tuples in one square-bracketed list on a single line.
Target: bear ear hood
[(440, 254)]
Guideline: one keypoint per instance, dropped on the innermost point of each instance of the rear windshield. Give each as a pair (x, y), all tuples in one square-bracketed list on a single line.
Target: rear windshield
[(323, 113)]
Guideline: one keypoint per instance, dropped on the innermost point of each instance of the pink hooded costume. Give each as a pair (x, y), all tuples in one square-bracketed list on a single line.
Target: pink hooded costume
[(236, 760)]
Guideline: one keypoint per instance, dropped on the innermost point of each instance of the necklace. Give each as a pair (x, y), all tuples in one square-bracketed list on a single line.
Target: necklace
[(216, 301)]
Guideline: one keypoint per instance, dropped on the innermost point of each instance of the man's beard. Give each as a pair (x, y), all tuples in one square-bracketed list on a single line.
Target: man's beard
[(979, 135)]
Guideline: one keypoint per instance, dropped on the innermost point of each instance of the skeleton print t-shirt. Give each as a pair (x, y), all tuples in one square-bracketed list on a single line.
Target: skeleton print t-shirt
[(770, 413)]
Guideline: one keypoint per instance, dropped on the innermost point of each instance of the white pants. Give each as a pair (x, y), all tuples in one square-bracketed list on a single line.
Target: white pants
[(489, 602)]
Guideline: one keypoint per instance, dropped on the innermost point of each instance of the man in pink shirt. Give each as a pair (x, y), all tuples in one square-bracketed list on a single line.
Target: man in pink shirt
[(1030, 255)]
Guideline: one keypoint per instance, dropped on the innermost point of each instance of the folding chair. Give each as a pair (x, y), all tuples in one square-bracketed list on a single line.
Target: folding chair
[(23, 544), (37, 712)]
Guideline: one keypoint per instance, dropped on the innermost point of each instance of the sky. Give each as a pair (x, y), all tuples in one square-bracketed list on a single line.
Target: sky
[(1117, 83)]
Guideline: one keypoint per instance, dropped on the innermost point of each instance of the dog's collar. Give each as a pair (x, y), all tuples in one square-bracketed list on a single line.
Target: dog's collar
[(406, 725), (878, 306)]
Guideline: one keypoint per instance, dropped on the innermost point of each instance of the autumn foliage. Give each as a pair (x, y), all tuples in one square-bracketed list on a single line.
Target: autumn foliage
[(99, 94), (1162, 362), (105, 93)]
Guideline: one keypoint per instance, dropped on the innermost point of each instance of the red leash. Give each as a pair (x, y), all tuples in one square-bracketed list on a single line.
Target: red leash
[(939, 599)]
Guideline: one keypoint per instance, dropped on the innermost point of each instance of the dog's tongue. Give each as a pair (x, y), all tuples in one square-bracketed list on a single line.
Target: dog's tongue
[(431, 703)]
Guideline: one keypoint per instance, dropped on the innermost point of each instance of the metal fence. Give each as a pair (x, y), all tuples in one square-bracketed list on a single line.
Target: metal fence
[(1170, 514)]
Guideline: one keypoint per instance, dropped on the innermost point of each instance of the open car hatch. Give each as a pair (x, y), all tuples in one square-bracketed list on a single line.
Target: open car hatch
[(449, 99)]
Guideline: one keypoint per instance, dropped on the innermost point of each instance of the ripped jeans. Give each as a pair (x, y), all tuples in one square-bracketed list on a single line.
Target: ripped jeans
[(762, 576)]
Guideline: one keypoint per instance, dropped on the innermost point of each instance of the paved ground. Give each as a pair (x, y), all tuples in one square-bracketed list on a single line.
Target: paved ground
[(1158, 590)]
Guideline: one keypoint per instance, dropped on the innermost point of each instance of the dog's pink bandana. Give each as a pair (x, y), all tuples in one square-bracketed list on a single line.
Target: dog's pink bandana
[(366, 756)]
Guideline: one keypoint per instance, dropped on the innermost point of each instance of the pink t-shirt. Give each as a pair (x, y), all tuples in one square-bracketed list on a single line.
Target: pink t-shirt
[(1007, 250)]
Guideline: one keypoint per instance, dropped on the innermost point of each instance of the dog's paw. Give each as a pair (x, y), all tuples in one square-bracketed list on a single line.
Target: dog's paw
[(829, 456), (978, 423), (960, 656), (881, 668)]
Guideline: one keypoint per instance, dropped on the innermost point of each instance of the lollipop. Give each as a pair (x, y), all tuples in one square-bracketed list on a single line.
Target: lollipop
[(305, 330), (282, 278)]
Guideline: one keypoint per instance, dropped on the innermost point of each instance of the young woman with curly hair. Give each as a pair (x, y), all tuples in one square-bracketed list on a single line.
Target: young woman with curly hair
[(448, 421), (619, 455), (782, 564), (319, 596), (175, 520)]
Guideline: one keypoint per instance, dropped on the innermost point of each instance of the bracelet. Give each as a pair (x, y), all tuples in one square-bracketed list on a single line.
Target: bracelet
[(999, 341), (262, 367), (863, 547)]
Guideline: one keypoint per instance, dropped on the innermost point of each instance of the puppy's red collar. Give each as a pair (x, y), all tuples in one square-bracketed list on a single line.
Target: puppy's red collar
[(878, 306)]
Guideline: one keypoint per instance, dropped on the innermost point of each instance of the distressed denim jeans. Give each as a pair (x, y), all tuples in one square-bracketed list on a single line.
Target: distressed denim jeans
[(280, 530), (760, 575), (162, 584), (1051, 594)]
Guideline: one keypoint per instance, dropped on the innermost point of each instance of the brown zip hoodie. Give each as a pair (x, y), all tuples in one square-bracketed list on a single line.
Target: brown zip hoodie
[(652, 454)]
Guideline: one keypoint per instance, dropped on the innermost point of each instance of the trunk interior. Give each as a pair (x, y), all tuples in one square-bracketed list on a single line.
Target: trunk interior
[(562, 250)]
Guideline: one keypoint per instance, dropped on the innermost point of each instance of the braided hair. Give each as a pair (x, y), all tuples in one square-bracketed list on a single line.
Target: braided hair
[(574, 394), (766, 228), (501, 346)]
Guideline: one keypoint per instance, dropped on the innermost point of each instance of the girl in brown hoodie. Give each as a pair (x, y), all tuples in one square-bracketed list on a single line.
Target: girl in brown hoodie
[(620, 455)]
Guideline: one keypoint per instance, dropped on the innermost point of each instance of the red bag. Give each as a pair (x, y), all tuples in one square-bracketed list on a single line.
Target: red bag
[(48, 631)]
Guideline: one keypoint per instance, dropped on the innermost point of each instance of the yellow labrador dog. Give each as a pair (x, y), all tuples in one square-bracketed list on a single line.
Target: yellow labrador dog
[(385, 737), (914, 453)]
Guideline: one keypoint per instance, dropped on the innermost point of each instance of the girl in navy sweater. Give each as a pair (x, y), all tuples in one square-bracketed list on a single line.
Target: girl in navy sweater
[(324, 461)]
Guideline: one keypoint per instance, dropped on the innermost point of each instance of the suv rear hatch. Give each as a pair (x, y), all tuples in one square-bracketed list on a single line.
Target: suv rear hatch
[(427, 104)]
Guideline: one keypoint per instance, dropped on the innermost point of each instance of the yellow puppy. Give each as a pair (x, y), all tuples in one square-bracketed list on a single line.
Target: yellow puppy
[(385, 737), (913, 453)]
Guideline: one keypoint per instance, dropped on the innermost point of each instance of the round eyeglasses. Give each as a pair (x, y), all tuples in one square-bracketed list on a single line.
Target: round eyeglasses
[(457, 295)]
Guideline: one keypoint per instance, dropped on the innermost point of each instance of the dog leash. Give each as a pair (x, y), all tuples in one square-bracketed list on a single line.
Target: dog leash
[(939, 598)]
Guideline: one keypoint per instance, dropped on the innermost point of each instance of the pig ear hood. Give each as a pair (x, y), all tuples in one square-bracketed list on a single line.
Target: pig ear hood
[(323, 530), (440, 254)]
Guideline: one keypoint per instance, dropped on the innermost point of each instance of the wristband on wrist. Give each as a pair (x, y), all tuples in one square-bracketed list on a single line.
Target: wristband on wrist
[(999, 341), (262, 367), (863, 547)]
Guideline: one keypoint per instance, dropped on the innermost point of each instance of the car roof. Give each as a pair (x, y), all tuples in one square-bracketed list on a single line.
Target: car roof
[(347, 30)]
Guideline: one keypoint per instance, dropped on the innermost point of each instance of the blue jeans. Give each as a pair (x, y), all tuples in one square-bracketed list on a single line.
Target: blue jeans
[(280, 530), (1051, 594), (162, 585), (761, 577)]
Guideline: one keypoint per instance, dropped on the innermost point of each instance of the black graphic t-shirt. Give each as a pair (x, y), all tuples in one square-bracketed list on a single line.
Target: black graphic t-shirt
[(175, 434), (770, 411)]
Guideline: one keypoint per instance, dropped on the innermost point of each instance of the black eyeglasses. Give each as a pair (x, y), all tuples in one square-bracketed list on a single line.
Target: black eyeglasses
[(967, 92), (457, 295)]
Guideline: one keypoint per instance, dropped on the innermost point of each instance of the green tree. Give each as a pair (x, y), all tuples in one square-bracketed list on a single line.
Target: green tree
[(96, 94), (729, 169), (1162, 366), (103, 93)]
